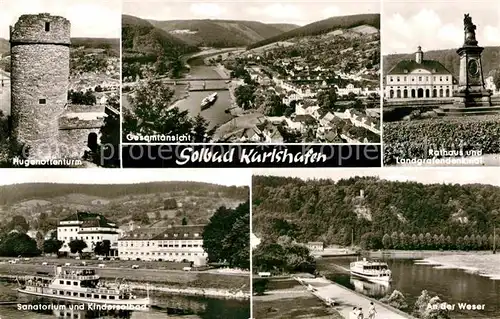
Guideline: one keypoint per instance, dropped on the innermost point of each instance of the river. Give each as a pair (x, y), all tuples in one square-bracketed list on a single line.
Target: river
[(165, 307), (451, 285), (215, 114)]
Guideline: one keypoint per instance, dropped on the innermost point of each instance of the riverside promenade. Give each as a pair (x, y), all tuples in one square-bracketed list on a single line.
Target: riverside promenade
[(345, 299)]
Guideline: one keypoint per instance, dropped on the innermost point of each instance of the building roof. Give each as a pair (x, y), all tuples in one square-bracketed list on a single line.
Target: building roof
[(186, 232), (407, 66), (89, 219), (166, 233), (305, 118)]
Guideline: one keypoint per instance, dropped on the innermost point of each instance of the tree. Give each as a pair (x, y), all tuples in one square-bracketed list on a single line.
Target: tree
[(141, 217), (18, 244), (327, 98), (153, 115), (184, 221), (19, 223), (77, 246), (386, 241), (395, 240), (52, 246), (102, 248), (169, 203), (226, 236), (201, 134), (245, 96), (108, 151), (403, 241)]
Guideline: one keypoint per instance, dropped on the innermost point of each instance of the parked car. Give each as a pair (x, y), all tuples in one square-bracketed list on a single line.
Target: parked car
[(135, 266), (186, 268), (67, 264), (44, 263), (101, 265)]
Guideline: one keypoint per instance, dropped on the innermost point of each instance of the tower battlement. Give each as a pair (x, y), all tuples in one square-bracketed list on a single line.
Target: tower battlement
[(41, 28)]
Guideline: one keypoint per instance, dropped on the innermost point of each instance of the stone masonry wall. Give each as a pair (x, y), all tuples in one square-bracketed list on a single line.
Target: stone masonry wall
[(40, 71), (73, 142), (30, 28)]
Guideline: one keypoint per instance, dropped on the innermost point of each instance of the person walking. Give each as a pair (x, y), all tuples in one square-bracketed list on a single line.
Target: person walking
[(360, 313), (354, 313), (371, 311)]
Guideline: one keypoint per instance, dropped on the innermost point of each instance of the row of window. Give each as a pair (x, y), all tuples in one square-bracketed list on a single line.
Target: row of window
[(83, 295), (420, 78), (419, 93), (81, 237), (152, 244), (64, 229), (159, 254)]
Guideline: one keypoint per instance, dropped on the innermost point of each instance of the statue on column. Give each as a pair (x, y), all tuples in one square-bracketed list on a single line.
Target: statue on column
[(470, 31)]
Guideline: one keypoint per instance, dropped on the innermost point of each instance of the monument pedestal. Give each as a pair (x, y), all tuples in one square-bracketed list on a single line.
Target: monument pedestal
[(465, 98)]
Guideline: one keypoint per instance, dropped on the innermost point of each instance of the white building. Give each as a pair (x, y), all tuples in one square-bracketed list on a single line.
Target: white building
[(419, 79), (178, 243), (89, 227)]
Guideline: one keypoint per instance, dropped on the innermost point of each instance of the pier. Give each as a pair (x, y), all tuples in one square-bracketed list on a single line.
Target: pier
[(344, 299)]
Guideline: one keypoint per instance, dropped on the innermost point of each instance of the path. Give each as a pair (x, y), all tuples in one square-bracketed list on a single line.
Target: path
[(346, 299)]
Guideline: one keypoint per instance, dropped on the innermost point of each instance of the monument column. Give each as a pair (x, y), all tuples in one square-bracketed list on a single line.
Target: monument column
[(471, 91)]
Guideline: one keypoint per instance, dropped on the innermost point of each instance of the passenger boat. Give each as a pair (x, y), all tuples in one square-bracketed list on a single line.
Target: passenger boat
[(375, 271), (208, 101), (82, 285)]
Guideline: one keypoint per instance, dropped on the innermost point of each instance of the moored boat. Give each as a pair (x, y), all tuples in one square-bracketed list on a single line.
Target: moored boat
[(208, 101), (375, 271), (83, 285)]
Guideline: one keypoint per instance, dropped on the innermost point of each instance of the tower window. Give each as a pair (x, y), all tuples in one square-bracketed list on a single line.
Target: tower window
[(47, 26), (42, 101)]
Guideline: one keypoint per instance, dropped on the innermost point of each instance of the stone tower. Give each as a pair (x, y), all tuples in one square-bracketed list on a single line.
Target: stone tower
[(419, 55), (39, 81)]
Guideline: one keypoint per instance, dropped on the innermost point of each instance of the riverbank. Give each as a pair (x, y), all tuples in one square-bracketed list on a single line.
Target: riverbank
[(181, 93), (237, 294), (345, 299), (418, 254), (233, 108), (485, 265)]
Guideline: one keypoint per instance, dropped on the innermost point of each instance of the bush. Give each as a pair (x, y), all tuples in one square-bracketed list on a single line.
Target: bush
[(259, 286), (414, 139)]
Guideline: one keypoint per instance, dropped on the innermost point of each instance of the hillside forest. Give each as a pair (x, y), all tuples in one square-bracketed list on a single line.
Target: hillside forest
[(376, 213)]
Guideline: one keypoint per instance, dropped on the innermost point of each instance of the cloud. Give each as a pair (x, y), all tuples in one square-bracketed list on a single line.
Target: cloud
[(283, 11), (211, 10), (402, 34), (492, 35), (89, 18), (331, 11)]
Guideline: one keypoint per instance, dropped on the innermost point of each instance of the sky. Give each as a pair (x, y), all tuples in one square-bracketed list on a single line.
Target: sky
[(89, 18), (437, 25), (295, 12), (227, 177), (426, 175)]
